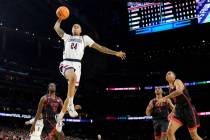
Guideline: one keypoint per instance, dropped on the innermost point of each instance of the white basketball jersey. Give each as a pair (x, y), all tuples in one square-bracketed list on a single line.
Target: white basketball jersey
[(38, 127), (75, 45)]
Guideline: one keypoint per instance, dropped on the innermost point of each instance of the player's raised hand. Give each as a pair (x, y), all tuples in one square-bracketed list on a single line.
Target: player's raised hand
[(121, 55)]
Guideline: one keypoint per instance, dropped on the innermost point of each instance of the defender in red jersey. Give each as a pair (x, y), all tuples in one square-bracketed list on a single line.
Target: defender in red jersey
[(160, 114), (49, 106), (185, 113)]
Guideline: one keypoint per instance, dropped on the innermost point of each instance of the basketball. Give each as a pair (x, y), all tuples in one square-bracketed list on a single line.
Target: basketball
[(62, 12)]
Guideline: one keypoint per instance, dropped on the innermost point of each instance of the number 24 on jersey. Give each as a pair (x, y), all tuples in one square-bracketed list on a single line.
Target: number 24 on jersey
[(74, 46)]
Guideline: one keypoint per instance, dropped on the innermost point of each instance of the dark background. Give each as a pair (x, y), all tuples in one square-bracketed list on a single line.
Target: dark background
[(30, 53)]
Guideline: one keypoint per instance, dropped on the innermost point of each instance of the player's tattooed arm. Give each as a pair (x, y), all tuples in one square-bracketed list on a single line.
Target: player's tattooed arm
[(58, 29), (179, 89), (149, 108), (38, 113), (105, 50)]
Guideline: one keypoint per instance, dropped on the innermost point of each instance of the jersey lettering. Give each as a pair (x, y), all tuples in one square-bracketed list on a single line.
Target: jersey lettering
[(74, 46)]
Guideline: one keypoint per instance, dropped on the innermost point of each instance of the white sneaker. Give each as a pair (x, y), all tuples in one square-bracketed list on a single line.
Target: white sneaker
[(59, 123), (72, 112)]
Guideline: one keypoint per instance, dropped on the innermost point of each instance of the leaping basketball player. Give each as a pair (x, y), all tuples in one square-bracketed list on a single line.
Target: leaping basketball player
[(71, 65)]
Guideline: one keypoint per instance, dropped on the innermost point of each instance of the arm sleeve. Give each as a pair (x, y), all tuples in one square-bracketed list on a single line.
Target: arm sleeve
[(66, 37), (88, 41)]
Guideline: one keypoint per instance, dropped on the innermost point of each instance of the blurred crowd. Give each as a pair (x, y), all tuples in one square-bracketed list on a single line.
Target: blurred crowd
[(22, 134), (13, 129), (14, 134)]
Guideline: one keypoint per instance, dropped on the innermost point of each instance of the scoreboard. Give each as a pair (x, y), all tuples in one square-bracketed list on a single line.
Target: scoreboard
[(152, 17), (203, 11)]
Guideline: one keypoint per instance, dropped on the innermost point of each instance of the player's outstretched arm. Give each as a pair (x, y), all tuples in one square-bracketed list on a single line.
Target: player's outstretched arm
[(58, 29), (38, 113), (105, 50), (149, 108), (179, 89)]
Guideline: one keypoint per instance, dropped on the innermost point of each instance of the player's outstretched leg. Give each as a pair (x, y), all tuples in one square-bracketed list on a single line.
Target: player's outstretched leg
[(71, 76)]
